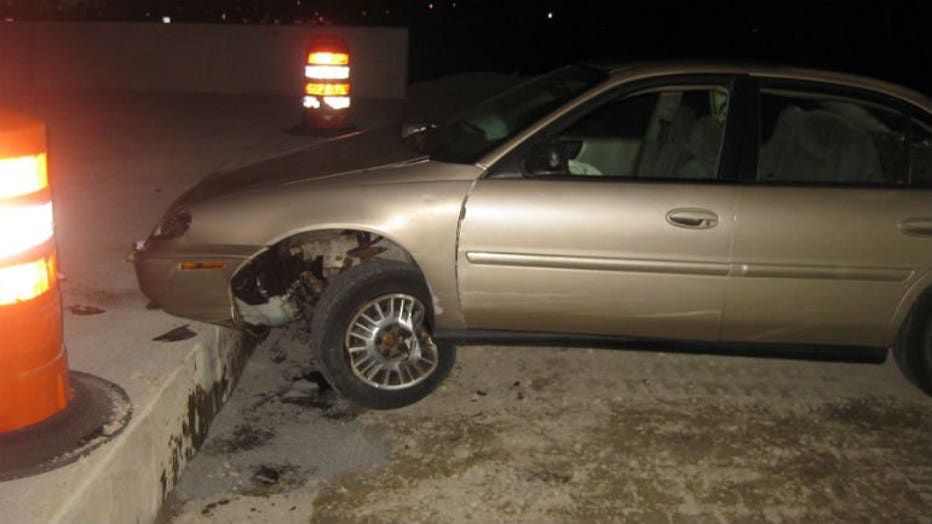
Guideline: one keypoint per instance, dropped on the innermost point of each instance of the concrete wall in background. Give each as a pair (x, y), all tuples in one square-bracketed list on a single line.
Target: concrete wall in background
[(192, 58)]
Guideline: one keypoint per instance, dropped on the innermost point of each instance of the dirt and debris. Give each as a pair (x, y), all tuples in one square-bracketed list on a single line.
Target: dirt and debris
[(282, 431), (206, 511), (176, 335), (310, 389), (80, 309), (266, 475), (244, 437), (271, 479)]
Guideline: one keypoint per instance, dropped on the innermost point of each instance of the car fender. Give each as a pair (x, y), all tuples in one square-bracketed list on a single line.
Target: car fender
[(421, 217), (921, 285)]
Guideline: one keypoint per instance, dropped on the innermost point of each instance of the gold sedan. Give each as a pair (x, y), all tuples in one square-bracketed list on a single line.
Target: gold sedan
[(749, 210)]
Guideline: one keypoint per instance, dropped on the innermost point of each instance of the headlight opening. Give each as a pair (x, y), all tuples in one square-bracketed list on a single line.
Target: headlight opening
[(173, 225)]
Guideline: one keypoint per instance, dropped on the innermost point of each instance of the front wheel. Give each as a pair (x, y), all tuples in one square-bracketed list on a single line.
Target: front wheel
[(372, 337)]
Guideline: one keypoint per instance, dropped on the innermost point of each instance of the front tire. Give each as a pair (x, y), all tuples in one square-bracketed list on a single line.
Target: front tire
[(371, 335)]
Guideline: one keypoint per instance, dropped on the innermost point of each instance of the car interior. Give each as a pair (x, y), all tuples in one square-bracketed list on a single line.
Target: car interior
[(817, 139), (665, 135), (805, 138)]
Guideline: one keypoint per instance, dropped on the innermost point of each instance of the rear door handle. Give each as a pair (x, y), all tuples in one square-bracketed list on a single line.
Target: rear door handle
[(692, 218), (916, 226)]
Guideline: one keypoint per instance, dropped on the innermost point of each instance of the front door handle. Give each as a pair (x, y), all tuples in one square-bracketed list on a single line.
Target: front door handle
[(916, 226), (692, 218)]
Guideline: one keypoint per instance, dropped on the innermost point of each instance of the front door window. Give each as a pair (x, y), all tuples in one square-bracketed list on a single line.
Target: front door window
[(671, 134)]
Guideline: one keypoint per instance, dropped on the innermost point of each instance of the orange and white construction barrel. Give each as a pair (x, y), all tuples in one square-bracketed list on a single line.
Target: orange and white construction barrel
[(327, 84), (34, 375)]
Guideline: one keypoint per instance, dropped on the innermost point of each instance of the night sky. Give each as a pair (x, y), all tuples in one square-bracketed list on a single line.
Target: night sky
[(888, 40)]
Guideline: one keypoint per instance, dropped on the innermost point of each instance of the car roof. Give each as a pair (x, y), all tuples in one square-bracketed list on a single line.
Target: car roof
[(625, 72)]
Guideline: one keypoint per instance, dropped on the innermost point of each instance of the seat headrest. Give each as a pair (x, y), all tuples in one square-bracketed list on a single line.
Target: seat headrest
[(706, 139), (821, 133), (683, 120)]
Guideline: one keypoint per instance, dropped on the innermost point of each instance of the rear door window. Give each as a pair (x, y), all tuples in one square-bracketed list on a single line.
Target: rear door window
[(920, 155), (818, 138)]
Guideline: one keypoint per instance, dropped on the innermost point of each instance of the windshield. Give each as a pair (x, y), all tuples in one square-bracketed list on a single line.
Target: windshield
[(466, 137)]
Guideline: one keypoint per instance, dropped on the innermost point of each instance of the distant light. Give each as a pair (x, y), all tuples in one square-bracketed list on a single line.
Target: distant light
[(223, 17), (326, 72), (24, 227), (23, 175), (337, 102), (327, 58), (26, 281), (166, 19), (430, 6), (550, 15), (326, 89)]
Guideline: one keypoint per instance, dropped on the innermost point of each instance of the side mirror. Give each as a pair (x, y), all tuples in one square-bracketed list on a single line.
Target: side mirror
[(416, 128), (546, 159)]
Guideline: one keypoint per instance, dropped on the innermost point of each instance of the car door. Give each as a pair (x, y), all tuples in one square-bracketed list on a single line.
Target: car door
[(628, 234), (833, 227)]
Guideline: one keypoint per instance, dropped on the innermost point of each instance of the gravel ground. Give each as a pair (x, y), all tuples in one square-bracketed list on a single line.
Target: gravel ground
[(543, 435)]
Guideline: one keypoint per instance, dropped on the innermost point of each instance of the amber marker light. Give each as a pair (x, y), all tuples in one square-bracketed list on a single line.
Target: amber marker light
[(187, 266)]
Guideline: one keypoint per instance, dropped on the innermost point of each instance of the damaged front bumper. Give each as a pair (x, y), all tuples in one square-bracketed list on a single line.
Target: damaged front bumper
[(190, 283)]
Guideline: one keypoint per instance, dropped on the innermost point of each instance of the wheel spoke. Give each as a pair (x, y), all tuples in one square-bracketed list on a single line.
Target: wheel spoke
[(404, 372), (359, 336), (361, 361), (419, 315), (372, 370), (421, 363), (387, 379)]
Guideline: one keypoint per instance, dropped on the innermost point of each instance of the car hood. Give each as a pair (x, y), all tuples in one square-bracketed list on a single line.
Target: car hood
[(376, 149)]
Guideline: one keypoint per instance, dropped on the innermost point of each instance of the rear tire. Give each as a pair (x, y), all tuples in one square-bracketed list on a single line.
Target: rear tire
[(371, 335), (914, 346)]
